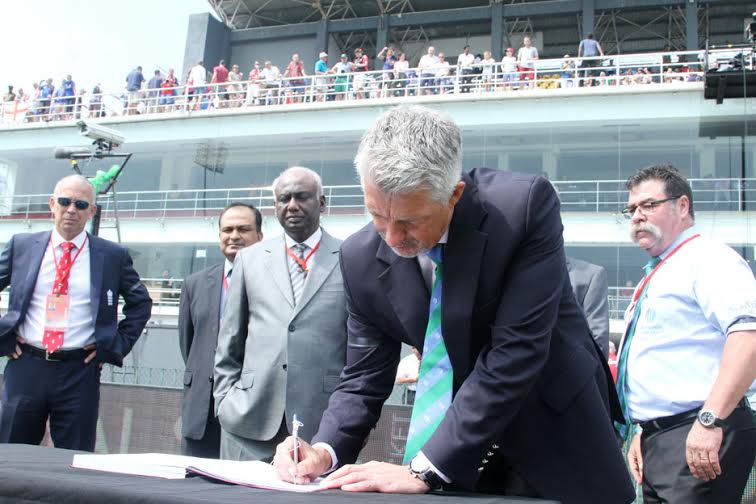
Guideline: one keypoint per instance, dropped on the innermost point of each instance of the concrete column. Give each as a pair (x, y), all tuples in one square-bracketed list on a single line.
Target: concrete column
[(381, 39), (549, 164), (208, 40), (321, 37), (589, 12), (497, 30), (691, 25), (707, 160)]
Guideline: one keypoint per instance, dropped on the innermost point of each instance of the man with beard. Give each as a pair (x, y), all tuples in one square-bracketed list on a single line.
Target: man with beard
[(200, 315), (282, 343), (688, 355), (469, 268)]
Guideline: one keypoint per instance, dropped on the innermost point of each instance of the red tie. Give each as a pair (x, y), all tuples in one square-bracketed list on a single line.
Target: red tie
[(53, 339)]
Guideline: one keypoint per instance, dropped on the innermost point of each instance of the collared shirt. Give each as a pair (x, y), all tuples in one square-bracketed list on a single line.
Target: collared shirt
[(465, 60), (80, 330), (311, 242), (694, 300)]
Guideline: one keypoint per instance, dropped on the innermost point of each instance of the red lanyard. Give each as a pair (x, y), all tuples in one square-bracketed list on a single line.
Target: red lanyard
[(302, 263), (61, 275), (647, 278)]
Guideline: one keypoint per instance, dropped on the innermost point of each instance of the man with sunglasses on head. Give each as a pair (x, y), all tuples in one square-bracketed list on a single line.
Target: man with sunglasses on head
[(688, 355), (62, 322)]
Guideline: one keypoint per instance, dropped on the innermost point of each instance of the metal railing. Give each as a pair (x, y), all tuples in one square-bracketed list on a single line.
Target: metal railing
[(270, 88), (709, 194)]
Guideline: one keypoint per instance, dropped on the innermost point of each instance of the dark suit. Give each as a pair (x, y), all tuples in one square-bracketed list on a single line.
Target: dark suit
[(111, 275), (531, 393), (198, 324), (591, 288)]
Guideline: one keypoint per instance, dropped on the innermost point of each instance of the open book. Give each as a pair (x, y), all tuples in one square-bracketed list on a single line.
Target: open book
[(252, 473)]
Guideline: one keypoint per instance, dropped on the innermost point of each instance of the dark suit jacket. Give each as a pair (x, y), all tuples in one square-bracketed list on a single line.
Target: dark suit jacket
[(591, 288), (198, 324), (527, 376), (111, 270)]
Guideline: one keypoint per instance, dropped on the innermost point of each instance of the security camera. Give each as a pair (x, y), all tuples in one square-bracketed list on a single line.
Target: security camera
[(100, 133)]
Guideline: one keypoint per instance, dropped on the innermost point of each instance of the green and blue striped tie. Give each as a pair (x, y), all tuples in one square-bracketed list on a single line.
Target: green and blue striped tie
[(434, 385), (625, 431)]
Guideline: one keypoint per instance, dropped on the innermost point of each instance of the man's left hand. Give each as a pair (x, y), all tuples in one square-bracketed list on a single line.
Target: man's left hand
[(375, 477), (702, 451)]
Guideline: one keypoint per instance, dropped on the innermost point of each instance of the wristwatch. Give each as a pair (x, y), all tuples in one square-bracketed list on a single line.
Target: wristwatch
[(424, 473), (709, 420)]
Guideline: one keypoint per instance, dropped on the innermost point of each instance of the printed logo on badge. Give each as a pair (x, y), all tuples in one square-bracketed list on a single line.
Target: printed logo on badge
[(650, 315), (109, 295)]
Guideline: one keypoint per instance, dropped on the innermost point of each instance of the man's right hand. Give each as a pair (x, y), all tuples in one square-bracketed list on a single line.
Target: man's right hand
[(17, 352), (312, 461), (635, 458)]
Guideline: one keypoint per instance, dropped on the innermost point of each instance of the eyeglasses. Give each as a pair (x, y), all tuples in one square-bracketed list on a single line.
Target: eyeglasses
[(646, 207), (66, 202)]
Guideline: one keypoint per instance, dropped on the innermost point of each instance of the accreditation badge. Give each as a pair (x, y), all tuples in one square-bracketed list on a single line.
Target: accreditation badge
[(56, 312)]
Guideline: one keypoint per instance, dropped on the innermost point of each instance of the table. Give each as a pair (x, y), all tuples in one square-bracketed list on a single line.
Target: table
[(40, 474)]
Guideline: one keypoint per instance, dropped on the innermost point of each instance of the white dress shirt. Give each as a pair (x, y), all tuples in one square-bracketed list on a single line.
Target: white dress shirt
[(694, 300), (80, 330)]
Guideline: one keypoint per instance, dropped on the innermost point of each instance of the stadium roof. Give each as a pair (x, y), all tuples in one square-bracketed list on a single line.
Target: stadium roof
[(240, 14)]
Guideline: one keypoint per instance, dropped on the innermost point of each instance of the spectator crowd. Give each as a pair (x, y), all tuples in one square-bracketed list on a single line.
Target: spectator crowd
[(223, 86)]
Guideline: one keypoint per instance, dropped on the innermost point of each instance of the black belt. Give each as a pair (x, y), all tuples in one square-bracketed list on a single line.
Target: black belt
[(681, 418), (58, 355)]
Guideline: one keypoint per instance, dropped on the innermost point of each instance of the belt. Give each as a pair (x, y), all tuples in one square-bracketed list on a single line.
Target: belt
[(58, 355), (663, 423)]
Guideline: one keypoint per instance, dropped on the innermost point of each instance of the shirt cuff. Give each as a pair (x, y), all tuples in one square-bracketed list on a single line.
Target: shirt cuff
[(334, 459), (741, 326), (422, 460)]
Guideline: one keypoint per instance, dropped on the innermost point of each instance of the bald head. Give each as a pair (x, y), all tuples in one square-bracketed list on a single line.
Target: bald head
[(72, 205), (299, 199)]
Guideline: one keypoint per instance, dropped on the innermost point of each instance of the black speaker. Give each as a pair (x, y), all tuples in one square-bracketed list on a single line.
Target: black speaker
[(729, 84)]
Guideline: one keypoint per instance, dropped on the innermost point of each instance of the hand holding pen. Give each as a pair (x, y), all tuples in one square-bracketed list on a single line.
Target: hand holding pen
[(295, 425)]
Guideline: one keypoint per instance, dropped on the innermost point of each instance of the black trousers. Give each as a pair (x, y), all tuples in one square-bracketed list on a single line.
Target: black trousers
[(209, 445), (667, 478), (68, 392)]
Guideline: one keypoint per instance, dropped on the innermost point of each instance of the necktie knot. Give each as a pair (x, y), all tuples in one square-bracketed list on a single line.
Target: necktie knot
[(436, 254), (649, 267), (67, 247), (300, 248)]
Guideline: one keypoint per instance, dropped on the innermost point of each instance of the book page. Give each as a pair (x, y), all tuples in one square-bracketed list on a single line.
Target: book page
[(158, 465), (250, 473)]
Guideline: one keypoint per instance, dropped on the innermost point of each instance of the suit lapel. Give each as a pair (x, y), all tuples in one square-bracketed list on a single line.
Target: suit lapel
[(405, 288), (279, 267), (325, 259), (214, 287), (463, 256), (36, 254), (96, 262)]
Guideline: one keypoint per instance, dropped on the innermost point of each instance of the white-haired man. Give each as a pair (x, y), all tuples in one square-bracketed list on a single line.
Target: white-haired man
[(282, 342), (469, 268)]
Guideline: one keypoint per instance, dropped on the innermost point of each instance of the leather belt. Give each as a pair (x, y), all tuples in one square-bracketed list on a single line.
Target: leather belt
[(58, 355), (663, 423)]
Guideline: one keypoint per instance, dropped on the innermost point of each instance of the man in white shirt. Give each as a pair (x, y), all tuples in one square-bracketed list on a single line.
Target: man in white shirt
[(526, 57), (427, 67), (688, 355), (198, 80), (62, 322), (200, 315), (271, 77), (465, 62)]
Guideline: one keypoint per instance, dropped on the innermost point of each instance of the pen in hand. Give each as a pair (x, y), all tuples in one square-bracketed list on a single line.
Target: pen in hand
[(295, 425)]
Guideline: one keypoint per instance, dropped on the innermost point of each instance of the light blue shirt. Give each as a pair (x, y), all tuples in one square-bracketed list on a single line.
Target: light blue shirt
[(694, 300)]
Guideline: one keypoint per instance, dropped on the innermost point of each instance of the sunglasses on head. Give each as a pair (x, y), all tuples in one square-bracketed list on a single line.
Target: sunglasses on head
[(66, 202)]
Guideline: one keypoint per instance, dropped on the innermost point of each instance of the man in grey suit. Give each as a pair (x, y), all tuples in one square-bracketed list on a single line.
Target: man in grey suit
[(591, 288), (200, 311), (282, 344)]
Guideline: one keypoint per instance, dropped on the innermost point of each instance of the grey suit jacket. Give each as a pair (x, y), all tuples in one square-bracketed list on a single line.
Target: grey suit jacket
[(274, 358), (591, 288), (198, 323)]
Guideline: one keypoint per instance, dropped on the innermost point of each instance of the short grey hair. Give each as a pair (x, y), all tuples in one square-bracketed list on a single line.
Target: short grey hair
[(302, 169), (410, 148)]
